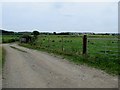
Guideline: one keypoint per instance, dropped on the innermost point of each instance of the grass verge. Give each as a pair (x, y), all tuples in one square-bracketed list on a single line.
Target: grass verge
[(18, 49), (2, 58)]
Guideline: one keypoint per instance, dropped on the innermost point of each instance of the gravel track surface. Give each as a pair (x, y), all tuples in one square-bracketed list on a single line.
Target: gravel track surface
[(36, 69)]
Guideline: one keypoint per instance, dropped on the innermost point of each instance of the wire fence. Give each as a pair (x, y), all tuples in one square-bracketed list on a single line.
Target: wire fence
[(104, 46), (61, 44), (75, 45)]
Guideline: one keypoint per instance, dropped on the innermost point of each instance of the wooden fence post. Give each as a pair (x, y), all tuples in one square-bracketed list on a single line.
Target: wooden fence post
[(85, 44), (62, 43), (48, 42)]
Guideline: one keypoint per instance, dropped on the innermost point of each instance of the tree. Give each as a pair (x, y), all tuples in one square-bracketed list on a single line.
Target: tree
[(35, 33), (54, 33)]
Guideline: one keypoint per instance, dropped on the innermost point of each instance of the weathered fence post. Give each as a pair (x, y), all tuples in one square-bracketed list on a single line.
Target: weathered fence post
[(85, 44), (62, 43), (48, 42)]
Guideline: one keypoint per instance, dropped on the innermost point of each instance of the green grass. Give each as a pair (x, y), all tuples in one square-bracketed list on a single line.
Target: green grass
[(0, 39), (101, 54), (9, 38), (2, 57)]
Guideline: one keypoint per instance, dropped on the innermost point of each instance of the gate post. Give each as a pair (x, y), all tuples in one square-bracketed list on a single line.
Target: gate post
[(85, 44)]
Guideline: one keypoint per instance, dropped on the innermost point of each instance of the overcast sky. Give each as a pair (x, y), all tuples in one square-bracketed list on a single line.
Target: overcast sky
[(60, 16)]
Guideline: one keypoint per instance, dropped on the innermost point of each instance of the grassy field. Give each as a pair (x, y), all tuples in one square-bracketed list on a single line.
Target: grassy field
[(0, 56), (0, 38), (9, 38), (102, 50)]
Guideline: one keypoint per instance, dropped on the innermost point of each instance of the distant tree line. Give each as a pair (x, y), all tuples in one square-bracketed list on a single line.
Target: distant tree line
[(5, 32)]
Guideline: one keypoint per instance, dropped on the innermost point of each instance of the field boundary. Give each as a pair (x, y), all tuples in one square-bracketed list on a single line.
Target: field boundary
[(72, 49), (106, 48)]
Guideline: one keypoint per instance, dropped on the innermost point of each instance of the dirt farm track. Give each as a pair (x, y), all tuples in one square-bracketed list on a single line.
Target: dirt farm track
[(27, 68)]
